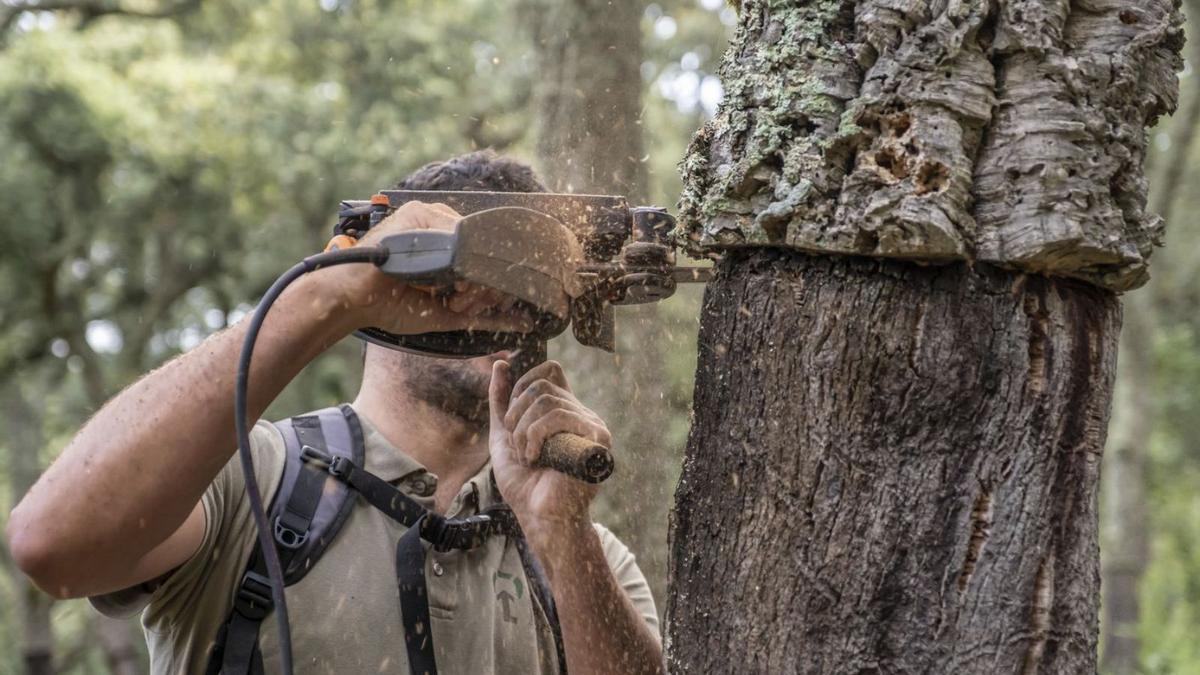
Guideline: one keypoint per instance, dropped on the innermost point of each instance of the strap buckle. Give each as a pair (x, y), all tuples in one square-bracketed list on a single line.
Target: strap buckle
[(340, 467), (311, 455), (504, 521), (460, 533), (253, 599), (337, 465), (289, 537)]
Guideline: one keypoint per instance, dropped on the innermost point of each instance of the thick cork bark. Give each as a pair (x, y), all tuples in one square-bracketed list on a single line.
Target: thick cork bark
[(1010, 131)]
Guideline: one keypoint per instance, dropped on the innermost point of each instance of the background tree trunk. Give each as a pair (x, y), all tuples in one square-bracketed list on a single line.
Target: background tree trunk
[(24, 440), (116, 640), (589, 94), (589, 97), (1127, 551), (894, 467)]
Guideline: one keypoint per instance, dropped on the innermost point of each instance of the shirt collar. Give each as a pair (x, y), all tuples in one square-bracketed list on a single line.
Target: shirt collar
[(384, 459), (395, 466)]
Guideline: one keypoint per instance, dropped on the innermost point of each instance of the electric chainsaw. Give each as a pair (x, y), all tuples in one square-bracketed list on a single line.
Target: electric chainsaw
[(567, 259)]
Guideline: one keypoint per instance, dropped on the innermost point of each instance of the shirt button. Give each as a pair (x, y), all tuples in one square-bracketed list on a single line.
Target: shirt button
[(437, 569), (423, 487)]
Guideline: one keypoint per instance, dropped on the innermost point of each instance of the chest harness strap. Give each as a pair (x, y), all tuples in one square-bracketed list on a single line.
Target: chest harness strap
[(445, 534), (237, 651)]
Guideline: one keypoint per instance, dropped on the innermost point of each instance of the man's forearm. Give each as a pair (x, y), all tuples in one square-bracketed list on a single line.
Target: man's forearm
[(602, 630), (136, 470)]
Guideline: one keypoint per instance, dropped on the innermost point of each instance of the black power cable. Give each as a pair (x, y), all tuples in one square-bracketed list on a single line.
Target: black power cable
[(376, 255)]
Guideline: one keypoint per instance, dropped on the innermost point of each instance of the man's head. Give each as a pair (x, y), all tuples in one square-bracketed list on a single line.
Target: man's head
[(480, 171), (458, 388)]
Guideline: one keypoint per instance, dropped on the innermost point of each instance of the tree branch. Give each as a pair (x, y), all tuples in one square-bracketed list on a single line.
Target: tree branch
[(93, 9)]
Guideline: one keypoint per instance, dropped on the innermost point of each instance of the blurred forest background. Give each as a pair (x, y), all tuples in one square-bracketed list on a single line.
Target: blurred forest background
[(162, 163)]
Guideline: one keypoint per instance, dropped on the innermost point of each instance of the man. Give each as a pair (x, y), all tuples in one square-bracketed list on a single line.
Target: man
[(146, 509)]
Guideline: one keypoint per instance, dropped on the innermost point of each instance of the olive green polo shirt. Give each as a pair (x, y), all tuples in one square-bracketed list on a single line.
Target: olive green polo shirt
[(345, 613)]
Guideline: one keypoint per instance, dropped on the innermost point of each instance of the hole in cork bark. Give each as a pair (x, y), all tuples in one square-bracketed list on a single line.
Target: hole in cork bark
[(801, 125), (867, 240), (775, 229), (1012, 174), (931, 177), (889, 162), (898, 124), (1128, 16)]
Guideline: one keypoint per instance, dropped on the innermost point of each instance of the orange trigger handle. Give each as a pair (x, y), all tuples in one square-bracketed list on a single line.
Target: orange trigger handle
[(339, 242)]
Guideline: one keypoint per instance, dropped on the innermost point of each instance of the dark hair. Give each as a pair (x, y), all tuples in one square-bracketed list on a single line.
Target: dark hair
[(479, 171)]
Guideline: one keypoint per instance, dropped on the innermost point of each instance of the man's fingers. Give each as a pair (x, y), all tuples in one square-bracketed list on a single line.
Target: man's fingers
[(444, 209), (431, 314), (549, 370), (498, 396), (523, 401), (417, 216), (464, 298), (473, 300), (533, 408), (488, 300), (555, 422)]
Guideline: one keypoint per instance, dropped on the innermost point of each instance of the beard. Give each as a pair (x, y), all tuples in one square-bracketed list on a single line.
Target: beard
[(451, 386)]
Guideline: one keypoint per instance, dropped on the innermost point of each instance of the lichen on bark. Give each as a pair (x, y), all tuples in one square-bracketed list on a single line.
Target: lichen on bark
[(1006, 131)]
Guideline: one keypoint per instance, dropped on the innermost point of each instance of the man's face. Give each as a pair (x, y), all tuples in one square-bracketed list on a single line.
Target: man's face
[(457, 387)]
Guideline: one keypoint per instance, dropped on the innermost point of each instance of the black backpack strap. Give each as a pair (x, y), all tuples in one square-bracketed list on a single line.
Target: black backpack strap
[(238, 644), (414, 601), (444, 534), (309, 509), (295, 519), (306, 513)]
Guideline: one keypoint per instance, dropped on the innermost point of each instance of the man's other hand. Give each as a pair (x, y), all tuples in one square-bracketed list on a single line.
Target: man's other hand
[(551, 507)]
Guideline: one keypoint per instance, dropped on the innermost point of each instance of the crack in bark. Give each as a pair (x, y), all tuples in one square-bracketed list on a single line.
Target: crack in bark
[(981, 529), (1042, 603), (1035, 310)]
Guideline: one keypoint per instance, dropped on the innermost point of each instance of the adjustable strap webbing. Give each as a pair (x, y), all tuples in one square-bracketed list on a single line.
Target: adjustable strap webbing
[(237, 650), (379, 493), (239, 638), (414, 602), (237, 642), (291, 527), (444, 533), (242, 655)]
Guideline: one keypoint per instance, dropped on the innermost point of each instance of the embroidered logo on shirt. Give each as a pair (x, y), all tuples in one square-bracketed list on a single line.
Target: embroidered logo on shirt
[(503, 582)]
